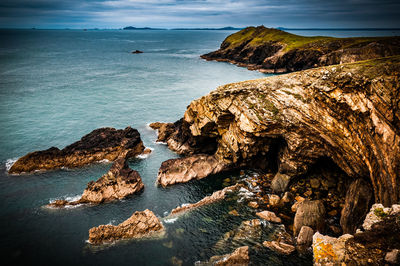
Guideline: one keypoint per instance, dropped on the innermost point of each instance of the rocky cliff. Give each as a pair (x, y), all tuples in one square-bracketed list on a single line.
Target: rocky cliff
[(347, 113), (276, 51)]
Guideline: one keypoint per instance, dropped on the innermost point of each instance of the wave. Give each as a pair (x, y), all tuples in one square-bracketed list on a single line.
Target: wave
[(170, 220), (9, 163)]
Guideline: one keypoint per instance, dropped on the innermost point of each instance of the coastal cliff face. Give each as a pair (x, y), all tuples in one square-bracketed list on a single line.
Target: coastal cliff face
[(275, 51), (349, 113), (100, 144)]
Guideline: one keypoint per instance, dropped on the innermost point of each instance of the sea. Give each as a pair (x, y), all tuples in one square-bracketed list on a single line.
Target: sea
[(58, 85)]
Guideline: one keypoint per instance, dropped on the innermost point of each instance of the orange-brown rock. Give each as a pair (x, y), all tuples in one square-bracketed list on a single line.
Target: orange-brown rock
[(100, 144), (119, 182), (239, 257), (279, 247), (139, 225), (182, 170), (349, 113), (216, 196)]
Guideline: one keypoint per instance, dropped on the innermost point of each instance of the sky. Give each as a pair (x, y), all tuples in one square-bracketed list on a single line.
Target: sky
[(199, 13)]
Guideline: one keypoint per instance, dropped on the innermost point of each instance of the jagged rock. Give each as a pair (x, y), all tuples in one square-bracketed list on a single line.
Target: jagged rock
[(279, 247), (240, 257), (275, 51), (100, 144), (377, 213), (137, 52), (309, 213), (139, 225), (393, 256), (253, 204), (165, 130), (305, 237), (216, 196), (347, 113), (269, 216), (356, 206), (182, 170), (280, 183), (119, 182), (274, 200), (329, 250)]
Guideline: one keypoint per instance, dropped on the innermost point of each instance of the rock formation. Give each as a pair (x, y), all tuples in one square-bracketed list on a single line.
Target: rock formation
[(269, 216), (182, 170), (139, 225), (348, 113), (216, 196), (100, 144), (375, 246), (275, 51), (310, 213), (239, 257), (119, 182)]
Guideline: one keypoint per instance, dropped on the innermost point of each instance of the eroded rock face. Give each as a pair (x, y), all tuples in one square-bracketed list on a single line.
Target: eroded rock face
[(216, 196), (139, 225), (100, 144), (182, 170), (119, 182), (348, 113), (356, 206), (267, 50), (240, 257)]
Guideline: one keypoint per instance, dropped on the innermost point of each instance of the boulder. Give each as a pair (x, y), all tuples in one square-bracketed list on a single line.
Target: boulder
[(182, 170), (280, 247), (100, 144), (356, 206), (310, 213), (274, 200), (280, 183), (269, 216), (119, 182), (329, 250), (393, 257), (305, 237), (139, 225)]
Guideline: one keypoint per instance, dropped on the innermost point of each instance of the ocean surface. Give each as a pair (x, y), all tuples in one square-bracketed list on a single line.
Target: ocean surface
[(58, 85)]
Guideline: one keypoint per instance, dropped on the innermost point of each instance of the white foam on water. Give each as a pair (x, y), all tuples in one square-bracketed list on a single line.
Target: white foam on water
[(171, 220), (145, 155), (104, 161), (67, 198), (112, 222), (9, 163), (161, 143)]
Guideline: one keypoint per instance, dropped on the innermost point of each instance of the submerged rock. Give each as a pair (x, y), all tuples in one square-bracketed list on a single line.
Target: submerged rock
[(240, 257), (182, 170), (139, 225), (100, 144), (280, 247), (119, 182), (216, 196)]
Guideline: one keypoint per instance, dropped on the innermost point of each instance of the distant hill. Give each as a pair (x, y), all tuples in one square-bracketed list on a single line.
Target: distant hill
[(145, 28), (224, 28)]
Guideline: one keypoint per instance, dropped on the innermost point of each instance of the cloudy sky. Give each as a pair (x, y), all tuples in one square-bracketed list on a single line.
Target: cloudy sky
[(200, 13)]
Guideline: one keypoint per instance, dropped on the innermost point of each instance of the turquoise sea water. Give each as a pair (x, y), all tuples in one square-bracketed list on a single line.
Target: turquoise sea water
[(58, 85)]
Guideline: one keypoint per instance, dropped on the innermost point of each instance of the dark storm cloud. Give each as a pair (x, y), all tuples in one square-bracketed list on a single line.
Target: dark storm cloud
[(194, 13)]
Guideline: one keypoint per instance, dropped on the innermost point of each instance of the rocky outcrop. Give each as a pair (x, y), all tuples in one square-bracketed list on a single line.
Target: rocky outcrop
[(370, 247), (310, 213), (348, 113), (100, 144), (240, 257), (139, 225), (182, 170), (356, 206), (119, 182), (275, 51), (216, 196)]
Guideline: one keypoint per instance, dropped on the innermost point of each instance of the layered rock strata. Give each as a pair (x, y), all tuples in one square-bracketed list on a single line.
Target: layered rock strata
[(100, 144), (348, 113), (139, 225), (275, 51), (216, 196), (119, 182)]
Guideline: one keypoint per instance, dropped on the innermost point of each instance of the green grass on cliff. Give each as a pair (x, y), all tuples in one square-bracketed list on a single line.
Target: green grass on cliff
[(258, 35)]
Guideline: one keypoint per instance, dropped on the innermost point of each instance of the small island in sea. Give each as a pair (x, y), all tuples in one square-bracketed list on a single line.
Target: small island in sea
[(190, 144)]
